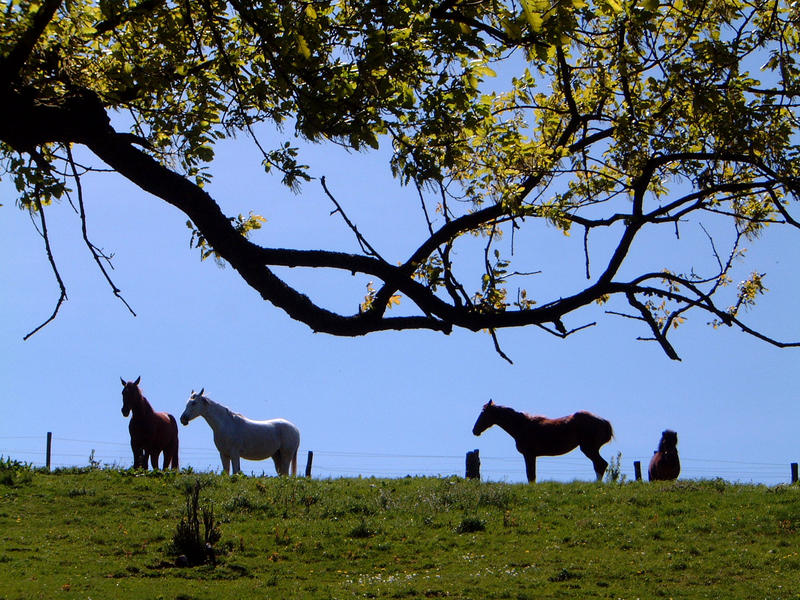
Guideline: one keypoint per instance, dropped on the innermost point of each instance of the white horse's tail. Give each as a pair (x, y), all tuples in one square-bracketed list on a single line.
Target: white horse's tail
[(294, 463)]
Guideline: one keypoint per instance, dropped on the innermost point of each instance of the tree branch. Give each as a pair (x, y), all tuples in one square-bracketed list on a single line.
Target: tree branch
[(12, 63), (63, 290), (92, 248), (366, 247), (647, 317)]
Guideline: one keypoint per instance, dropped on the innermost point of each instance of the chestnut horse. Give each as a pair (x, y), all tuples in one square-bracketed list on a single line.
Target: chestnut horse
[(151, 432), (540, 436), (665, 464)]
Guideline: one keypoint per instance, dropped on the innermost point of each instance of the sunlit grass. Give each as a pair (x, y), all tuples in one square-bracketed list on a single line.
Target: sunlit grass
[(108, 533)]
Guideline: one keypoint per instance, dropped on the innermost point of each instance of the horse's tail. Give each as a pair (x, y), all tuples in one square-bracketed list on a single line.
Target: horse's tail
[(174, 461), (609, 431)]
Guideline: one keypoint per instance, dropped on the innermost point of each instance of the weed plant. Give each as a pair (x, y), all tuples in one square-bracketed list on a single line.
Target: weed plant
[(14, 473), (188, 543), (106, 533)]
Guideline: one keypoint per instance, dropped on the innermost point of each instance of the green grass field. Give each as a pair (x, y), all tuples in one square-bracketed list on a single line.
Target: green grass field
[(105, 534)]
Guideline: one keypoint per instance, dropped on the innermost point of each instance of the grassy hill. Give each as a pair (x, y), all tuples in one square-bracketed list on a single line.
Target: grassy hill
[(105, 534)]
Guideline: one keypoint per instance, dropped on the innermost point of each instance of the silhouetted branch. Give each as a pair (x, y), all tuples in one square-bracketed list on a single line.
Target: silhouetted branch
[(366, 247), (647, 317), (96, 254), (63, 290), (497, 348)]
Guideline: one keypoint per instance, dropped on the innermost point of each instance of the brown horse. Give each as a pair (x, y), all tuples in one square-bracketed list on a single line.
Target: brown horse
[(540, 436), (151, 432), (665, 464)]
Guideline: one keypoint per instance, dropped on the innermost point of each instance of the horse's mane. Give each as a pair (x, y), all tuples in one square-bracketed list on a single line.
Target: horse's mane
[(230, 413), (509, 410)]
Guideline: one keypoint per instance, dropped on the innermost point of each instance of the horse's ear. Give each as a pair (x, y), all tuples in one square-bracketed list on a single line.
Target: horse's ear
[(138, 379), (123, 381), (490, 402), (200, 393)]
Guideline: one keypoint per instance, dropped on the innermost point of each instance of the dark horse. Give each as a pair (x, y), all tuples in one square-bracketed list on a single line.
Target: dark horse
[(540, 436), (151, 432), (665, 464)]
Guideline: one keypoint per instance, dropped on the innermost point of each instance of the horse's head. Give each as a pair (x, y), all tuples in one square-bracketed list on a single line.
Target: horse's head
[(131, 395), (485, 419), (195, 406), (669, 440)]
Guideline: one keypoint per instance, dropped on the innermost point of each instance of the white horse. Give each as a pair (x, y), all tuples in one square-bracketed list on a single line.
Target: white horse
[(238, 437)]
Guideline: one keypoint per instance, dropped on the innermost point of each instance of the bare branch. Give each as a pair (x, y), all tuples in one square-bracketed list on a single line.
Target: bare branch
[(497, 348), (63, 290), (366, 247), (647, 317), (92, 248)]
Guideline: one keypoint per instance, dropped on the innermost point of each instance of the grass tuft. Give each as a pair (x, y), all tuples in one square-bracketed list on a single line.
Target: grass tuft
[(471, 525)]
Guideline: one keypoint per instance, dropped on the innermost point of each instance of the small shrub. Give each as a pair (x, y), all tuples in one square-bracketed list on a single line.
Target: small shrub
[(14, 473), (362, 530), (93, 462), (282, 537), (188, 541), (614, 470), (471, 525), (563, 575)]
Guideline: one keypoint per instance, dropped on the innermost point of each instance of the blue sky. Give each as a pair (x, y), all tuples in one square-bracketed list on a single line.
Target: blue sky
[(388, 404)]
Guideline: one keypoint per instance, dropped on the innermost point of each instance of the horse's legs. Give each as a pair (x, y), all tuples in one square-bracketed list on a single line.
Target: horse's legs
[(235, 463), (172, 457), (530, 467), (600, 464), (280, 468), (226, 463), (137, 455), (154, 459), (287, 460), (174, 463)]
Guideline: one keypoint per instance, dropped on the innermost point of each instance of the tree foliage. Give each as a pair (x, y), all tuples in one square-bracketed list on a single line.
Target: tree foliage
[(619, 117)]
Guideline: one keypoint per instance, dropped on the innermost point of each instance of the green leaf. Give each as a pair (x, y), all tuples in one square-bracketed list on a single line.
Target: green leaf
[(483, 70), (302, 46), (534, 19)]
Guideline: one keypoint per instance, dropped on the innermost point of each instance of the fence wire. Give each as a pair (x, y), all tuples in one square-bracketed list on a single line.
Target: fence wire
[(71, 452)]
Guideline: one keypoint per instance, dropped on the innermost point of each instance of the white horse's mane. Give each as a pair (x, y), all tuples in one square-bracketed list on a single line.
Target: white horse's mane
[(215, 403)]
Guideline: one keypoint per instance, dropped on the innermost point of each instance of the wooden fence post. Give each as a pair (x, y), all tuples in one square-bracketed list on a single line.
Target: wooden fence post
[(637, 470), (308, 463), (49, 448), (473, 465), (794, 472)]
